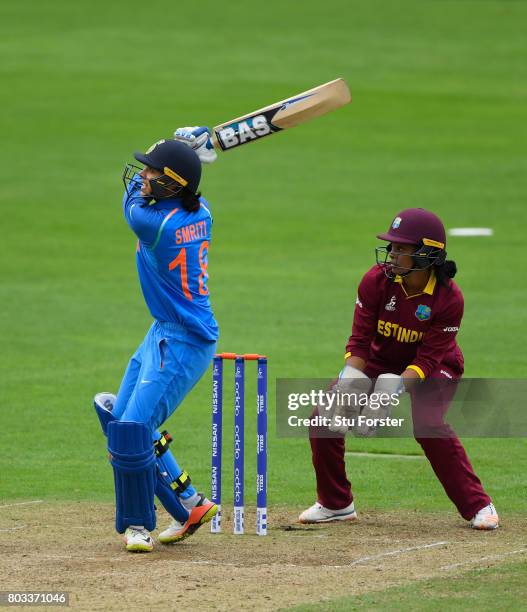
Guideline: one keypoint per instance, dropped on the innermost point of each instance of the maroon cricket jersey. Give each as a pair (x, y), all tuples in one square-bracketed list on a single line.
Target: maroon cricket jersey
[(394, 331)]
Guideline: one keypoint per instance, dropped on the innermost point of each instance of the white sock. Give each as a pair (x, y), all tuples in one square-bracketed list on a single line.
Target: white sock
[(190, 502)]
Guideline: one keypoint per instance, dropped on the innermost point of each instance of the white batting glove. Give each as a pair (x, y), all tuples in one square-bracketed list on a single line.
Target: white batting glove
[(198, 138), (387, 386), (351, 385)]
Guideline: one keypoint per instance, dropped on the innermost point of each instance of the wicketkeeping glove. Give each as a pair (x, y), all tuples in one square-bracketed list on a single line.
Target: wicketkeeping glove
[(355, 383), (391, 385), (198, 137)]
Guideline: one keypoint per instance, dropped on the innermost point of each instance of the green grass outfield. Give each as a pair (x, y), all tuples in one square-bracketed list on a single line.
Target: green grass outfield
[(438, 119), (500, 588)]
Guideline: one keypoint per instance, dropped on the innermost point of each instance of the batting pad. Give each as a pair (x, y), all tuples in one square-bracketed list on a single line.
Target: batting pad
[(134, 467), (169, 499)]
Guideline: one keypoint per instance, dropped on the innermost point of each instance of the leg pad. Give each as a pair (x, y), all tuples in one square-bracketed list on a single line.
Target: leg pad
[(134, 466), (169, 499)]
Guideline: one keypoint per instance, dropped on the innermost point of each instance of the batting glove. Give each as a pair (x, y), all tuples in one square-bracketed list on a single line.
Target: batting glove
[(198, 138)]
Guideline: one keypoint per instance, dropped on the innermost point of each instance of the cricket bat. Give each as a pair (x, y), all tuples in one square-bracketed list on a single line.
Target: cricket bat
[(281, 115)]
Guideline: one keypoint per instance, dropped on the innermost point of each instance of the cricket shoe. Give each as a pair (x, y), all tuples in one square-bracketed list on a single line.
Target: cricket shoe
[(200, 514), (487, 518), (138, 539), (319, 514)]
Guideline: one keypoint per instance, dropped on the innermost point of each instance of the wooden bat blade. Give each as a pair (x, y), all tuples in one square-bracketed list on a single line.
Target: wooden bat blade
[(281, 115)]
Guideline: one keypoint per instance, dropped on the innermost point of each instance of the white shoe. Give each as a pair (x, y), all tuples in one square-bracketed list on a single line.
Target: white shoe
[(486, 518), (318, 514), (138, 539)]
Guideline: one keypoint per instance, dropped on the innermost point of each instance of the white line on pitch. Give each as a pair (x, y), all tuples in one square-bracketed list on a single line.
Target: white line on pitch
[(124, 558), (217, 563), (391, 553), (383, 455), (14, 528), (70, 558), (487, 558), (36, 501), (302, 535)]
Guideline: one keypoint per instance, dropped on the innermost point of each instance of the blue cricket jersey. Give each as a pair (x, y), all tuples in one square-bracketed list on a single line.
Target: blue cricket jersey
[(172, 257)]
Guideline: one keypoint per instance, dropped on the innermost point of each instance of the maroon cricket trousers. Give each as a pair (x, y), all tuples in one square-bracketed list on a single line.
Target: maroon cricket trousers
[(444, 451)]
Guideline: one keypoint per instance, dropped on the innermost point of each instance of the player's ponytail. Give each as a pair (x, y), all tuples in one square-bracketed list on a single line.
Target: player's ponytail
[(190, 201), (445, 272)]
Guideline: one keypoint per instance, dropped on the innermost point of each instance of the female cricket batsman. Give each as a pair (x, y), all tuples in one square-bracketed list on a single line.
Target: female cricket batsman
[(407, 314), (172, 222)]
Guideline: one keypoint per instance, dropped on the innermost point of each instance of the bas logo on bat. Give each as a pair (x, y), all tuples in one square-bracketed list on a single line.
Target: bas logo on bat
[(243, 131), (281, 115), (257, 126)]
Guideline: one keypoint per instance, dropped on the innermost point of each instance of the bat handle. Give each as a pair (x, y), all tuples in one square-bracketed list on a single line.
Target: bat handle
[(215, 142)]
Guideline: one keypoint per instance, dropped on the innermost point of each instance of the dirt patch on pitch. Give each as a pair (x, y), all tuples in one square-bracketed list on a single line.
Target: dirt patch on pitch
[(73, 548)]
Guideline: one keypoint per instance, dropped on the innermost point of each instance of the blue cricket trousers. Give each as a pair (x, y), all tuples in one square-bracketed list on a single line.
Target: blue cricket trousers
[(164, 368)]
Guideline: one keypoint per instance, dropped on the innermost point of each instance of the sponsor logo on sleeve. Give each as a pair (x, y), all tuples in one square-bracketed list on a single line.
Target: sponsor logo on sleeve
[(451, 329)]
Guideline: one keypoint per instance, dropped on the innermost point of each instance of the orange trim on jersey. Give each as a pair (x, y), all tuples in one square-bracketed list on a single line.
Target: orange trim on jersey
[(347, 355), (418, 370), (172, 212)]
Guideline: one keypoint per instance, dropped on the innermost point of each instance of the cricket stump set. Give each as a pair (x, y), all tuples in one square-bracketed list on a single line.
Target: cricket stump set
[(239, 440)]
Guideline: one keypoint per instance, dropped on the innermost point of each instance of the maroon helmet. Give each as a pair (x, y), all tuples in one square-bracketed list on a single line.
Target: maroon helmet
[(416, 226), (422, 228)]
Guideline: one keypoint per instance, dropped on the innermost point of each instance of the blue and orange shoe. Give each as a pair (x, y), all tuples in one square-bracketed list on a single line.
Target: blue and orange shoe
[(200, 514)]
